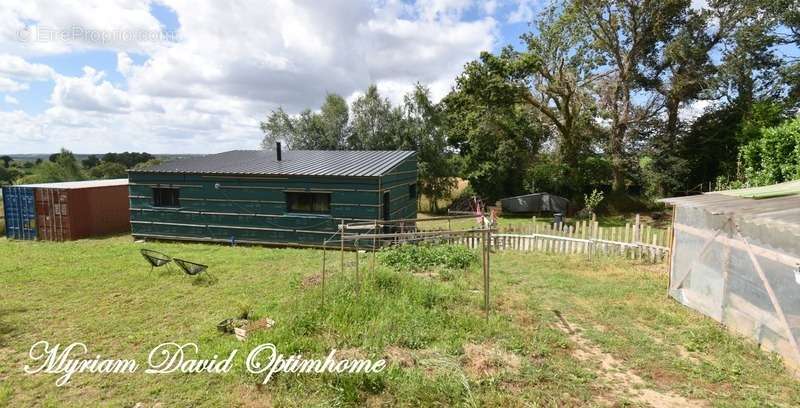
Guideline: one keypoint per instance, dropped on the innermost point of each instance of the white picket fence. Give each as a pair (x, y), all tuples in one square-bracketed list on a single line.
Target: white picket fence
[(633, 241)]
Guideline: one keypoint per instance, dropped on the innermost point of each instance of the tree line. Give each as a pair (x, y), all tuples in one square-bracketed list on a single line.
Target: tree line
[(600, 97), (64, 166)]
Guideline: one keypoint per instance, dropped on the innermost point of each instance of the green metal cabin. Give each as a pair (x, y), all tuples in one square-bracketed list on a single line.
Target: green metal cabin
[(290, 198)]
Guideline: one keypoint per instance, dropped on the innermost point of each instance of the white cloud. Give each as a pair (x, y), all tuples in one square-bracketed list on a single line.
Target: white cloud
[(40, 27), (89, 93), (207, 91), (11, 100), (10, 85), (16, 67), (124, 63), (695, 109), (525, 11), (431, 10), (489, 7)]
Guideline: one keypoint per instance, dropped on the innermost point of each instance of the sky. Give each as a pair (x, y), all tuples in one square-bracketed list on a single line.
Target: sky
[(190, 76)]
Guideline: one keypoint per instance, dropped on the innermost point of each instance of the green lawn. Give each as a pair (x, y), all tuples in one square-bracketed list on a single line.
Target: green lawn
[(631, 344)]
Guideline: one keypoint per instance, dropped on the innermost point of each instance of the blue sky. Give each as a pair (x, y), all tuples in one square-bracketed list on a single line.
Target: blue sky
[(197, 76)]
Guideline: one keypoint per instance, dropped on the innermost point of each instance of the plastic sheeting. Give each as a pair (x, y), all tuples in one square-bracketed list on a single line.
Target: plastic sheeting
[(738, 266)]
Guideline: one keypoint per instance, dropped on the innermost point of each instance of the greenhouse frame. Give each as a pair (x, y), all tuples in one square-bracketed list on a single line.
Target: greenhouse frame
[(736, 258)]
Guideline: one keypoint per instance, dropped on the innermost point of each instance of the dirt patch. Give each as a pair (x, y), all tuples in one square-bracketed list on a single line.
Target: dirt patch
[(487, 359), (432, 362), (513, 305), (622, 383), (353, 353), (378, 401), (310, 281), (252, 396), (403, 357)]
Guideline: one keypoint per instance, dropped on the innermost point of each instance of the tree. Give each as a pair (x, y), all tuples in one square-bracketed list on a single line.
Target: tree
[(127, 159), (374, 122), (496, 141), (55, 157), (750, 66), (424, 133), (277, 127), (623, 34), (553, 77), (789, 11), (64, 168), (6, 176), (108, 170), (6, 160), (327, 130), (335, 122), (678, 68), (90, 161), (147, 164)]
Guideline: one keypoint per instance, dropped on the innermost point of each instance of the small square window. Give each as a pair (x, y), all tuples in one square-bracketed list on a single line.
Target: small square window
[(412, 191), (166, 197), (319, 203)]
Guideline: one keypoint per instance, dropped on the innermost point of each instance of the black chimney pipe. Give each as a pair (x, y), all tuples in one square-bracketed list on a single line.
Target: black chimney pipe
[(278, 150)]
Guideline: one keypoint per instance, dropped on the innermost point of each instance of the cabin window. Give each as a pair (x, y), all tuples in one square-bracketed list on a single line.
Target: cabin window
[(412, 191), (319, 203), (166, 197)]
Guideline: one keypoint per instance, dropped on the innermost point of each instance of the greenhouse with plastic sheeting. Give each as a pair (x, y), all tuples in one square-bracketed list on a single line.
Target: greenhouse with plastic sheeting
[(736, 258)]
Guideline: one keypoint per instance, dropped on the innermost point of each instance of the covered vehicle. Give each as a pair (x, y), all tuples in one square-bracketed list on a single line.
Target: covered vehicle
[(535, 203)]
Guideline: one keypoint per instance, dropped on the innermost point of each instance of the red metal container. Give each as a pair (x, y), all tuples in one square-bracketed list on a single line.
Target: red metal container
[(80, 209)]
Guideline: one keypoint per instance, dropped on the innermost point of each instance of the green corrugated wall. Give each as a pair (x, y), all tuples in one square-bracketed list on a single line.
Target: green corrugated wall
[(253, 209)]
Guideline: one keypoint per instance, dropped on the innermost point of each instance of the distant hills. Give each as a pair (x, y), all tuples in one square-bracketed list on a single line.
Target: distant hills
[(80, 156)]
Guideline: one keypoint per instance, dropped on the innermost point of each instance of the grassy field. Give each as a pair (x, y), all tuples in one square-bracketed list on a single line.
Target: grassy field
[(563, 331)]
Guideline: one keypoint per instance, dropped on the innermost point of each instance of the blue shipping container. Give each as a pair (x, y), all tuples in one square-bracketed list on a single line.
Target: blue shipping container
[(20, 212)]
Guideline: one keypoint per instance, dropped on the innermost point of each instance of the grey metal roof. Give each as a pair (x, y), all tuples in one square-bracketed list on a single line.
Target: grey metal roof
[(361, 163)]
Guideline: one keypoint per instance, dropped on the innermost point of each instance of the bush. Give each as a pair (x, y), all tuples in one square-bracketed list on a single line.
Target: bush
[(774, 157), (425, 256)]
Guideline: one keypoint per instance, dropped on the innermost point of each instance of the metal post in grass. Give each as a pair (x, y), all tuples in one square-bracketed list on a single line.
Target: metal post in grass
[(486, 250), (324, 247), (341, 252), (358, 273), (372, 264)]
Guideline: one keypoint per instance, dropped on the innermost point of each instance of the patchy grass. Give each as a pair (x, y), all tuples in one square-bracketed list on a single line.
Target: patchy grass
[(440, 347)]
